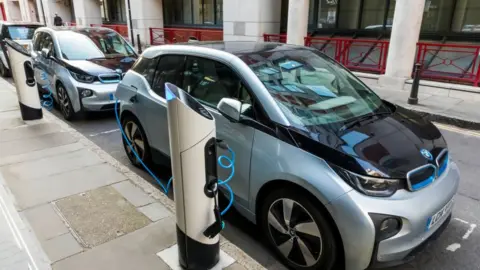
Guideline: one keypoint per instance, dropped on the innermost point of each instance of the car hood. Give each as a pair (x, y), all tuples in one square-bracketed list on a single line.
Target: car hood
[(388, 147), (102, 66)]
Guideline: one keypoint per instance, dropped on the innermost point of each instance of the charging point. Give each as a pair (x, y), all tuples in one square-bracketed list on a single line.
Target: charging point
[(194, 166), (23, 76)]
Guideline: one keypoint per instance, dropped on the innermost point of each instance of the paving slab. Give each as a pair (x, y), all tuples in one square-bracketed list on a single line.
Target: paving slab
[(171, 258), (100, 215), (10, 119), (46, 223), (51, 165), (9, 101), (40, 154), (61, 247), (136, 250), (29, 131), (46, 189), (155, 211), (133, 194)]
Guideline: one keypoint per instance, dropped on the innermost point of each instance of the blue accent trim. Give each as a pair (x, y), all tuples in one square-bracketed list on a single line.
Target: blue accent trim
[(423, 183), (428, 223), (110, 81), (442, 169), (169, 95)]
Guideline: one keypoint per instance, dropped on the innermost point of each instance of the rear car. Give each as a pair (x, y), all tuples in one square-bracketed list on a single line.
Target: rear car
[(21, 33), (331, 173), (81, 66)]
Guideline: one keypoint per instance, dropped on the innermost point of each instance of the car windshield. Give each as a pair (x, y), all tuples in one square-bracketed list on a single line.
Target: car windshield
[(311, 89), (94, 44), (22, 32)]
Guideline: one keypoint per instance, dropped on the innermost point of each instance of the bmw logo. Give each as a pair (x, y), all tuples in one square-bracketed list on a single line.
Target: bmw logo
[(425, 153)]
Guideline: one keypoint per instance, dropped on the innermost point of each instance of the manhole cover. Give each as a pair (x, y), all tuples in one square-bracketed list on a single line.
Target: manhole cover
[(101, 215)]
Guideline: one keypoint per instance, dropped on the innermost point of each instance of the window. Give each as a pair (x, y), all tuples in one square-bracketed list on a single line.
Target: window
[(169, 70), (327, 13), (349, 12), (311, 89), (146, 67), (21, 32), (466, 16), (437, 15), (210, 81), (37, 41), (196, 12), (373, 14)]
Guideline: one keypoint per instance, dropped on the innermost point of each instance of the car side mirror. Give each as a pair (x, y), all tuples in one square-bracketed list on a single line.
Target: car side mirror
[(230, 109), (46, 53)]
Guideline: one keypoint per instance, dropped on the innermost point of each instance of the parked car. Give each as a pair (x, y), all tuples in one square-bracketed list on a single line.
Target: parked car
[(83, 66), (21, 33), (328, 170)]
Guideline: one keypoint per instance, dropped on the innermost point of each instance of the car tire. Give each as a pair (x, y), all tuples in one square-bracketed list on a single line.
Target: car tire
[(64, 103), (4, 71), (305, 240), (138, 139)]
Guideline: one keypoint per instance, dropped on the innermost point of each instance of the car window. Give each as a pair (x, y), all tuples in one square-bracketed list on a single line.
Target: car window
[(210, 81), (21, 32), (169, 69), (47, 43), (146, 68), (37, 40)]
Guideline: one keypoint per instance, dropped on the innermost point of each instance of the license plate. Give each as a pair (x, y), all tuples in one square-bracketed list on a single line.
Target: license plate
[(433, 220)]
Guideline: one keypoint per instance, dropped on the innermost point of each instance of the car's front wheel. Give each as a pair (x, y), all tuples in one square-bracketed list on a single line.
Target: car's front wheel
[(298, 231), (136, 140), (65, 103)]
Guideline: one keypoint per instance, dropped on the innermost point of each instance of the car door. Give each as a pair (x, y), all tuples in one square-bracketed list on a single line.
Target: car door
[(38, 39), (154, 106), (42, 64), (209, 81)]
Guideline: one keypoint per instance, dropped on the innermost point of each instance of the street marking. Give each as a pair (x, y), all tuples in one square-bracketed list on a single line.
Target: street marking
[(104, 132), (461, 220), (458, 130), (470, 230), (453, 247)]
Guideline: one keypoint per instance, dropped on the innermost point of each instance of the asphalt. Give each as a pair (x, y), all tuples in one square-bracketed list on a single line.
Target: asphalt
[(457, 248)]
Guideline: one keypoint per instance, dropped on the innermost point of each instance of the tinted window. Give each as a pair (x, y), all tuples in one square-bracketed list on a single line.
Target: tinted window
[(210, 81), (21, 32), (94, 44), (38, 38), (168, 70), (312, 89), (146, 67)]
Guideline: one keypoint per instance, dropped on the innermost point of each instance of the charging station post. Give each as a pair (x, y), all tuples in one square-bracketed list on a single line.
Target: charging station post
[(194, 165), (24, 77)]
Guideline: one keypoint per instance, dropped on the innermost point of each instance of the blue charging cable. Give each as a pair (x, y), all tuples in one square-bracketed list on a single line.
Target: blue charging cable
[(47, 101), (229, 165)]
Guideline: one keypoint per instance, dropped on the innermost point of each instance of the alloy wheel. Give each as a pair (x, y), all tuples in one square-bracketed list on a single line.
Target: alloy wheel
[(64, 101), (295, 232), (136, 139)]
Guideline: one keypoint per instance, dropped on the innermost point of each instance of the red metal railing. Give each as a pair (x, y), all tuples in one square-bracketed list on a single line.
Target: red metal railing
[(444, 62), (159, 36), (449, 62), (356, 54), (275, 38), (120, 28)]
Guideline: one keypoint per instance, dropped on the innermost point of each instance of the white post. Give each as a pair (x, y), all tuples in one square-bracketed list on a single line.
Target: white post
[(297, 21), (407, 21)]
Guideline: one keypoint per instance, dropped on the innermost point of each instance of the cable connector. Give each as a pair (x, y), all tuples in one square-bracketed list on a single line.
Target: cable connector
[(214, 229), (222, 144)]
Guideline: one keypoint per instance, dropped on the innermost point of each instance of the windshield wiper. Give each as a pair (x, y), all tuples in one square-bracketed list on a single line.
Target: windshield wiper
[(355, 121)]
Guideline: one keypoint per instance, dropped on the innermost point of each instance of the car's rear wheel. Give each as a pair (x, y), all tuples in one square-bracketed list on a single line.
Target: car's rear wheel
[(136, 140), (298, 231), (64, 103)]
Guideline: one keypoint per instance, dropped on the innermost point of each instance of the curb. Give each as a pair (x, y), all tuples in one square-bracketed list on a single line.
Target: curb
[(445, 119)]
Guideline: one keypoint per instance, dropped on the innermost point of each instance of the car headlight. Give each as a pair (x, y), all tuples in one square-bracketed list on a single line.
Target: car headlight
[(371, 186), (82, 78)]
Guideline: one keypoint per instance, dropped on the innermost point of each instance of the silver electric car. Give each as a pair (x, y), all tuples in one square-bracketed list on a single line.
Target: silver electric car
[(331, 173), (81, 66)]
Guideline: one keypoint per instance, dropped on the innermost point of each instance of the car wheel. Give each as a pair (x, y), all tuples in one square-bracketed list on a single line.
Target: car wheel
[(64, 103), (297, 230), (138, 140), (4, 71)]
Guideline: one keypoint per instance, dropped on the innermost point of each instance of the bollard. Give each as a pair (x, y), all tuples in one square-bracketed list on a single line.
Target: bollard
[(413, 99), (139, 44)]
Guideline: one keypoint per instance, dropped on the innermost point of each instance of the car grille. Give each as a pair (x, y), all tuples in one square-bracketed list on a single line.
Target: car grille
[(421, 177), (109, 78), (442, 161)]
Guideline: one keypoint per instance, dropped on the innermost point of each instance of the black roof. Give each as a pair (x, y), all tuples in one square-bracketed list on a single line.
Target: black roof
[(245, 47)]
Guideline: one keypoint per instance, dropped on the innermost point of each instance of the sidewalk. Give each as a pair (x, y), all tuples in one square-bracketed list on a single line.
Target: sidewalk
[(437, 106), (67, 204)]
